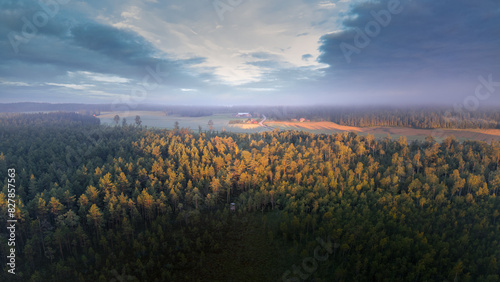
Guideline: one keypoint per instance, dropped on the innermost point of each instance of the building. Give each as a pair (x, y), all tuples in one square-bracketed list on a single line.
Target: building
[(243, 115), (233, 207)]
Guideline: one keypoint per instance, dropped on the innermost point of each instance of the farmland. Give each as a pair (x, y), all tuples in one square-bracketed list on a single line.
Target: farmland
[(394, 132), (158, 119)]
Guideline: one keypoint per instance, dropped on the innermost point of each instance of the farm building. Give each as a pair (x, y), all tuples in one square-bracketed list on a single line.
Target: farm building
[(243, 115)]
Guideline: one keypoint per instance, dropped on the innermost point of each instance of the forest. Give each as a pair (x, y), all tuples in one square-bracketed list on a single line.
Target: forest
[(128, 203)]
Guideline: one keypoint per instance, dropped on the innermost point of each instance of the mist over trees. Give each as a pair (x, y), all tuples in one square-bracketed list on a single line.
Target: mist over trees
[(428, 117)]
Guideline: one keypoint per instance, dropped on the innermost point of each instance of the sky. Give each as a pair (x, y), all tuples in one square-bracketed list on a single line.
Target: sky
[(251, 52)]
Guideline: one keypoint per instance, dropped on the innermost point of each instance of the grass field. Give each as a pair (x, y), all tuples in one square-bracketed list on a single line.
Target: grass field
[(160, 120), (395, 132), (221, 121)]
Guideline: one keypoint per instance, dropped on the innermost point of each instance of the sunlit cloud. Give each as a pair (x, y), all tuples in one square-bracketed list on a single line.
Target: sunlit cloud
[(99, 77), (71, 86), (14, 83)]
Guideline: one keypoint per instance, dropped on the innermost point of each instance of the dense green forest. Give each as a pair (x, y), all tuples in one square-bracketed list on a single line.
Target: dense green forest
[(125, 203)]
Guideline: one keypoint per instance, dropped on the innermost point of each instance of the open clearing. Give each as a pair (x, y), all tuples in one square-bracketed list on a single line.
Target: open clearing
[(320, 125), (245, 126), (221, 122), (395, 132), (160, 120)]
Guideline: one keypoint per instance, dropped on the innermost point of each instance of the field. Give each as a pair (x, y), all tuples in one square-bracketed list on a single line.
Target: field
[(221, 122), (160, 120), (394, 132)]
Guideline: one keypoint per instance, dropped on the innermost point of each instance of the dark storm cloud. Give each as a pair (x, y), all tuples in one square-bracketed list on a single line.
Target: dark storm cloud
[(450, 36), (117, 44), (121, 45), (71, 42), (432, 51)]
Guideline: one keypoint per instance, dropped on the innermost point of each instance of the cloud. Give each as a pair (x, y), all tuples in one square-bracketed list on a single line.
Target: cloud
[(72, 86), (260, 89), (115, 43), (327, 5), (426, 33), (14, 83), (75, 49), (437, 47), (306, 57), (283, 51), (99, 77), (254, 27)]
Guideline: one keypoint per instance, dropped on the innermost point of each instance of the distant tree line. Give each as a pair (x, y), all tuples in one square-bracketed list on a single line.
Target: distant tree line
[(44, 119), (416, 117)]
